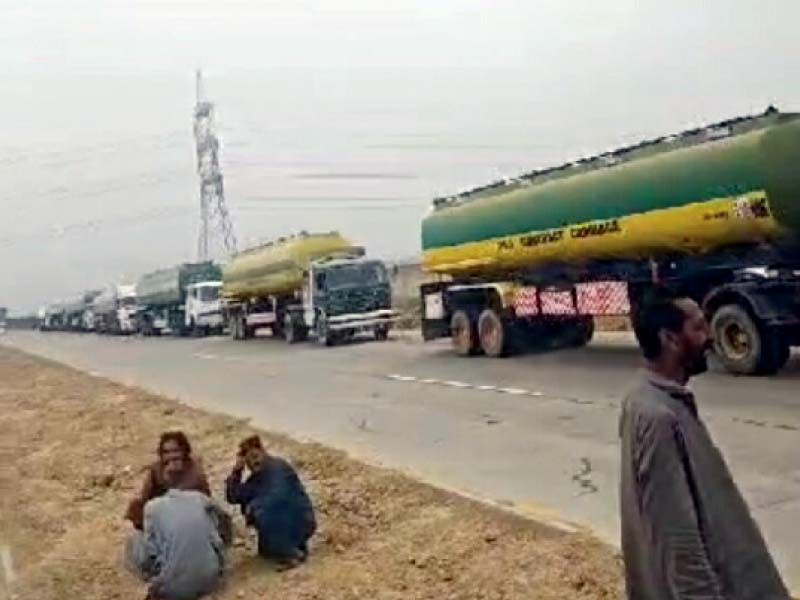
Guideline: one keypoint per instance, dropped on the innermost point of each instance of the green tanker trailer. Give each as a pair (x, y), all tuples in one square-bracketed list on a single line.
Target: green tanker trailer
[(713, 211), (317, 283), (181, 299)]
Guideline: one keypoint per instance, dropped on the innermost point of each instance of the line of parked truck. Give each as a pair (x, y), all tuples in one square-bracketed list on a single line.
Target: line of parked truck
[(713, 212), (318, 284)]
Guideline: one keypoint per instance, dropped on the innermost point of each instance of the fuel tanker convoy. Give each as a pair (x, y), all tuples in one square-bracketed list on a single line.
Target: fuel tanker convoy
[(318, 283), (713, 212), (180, 300)]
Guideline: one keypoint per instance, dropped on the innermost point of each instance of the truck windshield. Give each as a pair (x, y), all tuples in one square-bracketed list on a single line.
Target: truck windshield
[(356, 275), (128, 301), (208, 294)]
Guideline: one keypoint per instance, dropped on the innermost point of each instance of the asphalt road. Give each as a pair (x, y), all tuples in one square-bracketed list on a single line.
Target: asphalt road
[(537, 433)]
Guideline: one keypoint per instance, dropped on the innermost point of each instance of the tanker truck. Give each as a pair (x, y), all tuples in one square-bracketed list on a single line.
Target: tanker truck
[(180, 300), (115, 310), (713, 213), (77, 314), (52, 317), (308, 283)]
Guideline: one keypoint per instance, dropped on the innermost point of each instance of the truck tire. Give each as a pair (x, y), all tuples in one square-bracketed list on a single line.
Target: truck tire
[(290, 330), (233, 329), (492, 334), (744, 346), (325, 337), (581, 332), (464, 334), (381, 333)]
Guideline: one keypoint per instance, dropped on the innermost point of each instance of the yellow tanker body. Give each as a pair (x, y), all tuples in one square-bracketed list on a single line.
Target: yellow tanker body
[(277, 268)]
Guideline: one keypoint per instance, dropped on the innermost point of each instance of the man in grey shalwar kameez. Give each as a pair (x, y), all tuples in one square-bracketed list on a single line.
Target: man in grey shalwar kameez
[(686, 530), (179, 552)]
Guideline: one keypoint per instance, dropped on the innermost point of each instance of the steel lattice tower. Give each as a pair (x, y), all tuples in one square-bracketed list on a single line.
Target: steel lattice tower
[(213, 210)]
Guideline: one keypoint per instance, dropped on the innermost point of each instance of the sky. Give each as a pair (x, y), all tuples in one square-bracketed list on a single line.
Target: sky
[(343, 114)]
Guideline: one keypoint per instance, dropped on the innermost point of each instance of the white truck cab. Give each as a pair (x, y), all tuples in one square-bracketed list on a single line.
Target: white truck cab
[(126, 309), (203, 308)]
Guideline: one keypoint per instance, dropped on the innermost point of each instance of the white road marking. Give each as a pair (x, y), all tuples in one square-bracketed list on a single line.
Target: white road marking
[(513, 391), (457, 384), (403, 377), (466, 386)]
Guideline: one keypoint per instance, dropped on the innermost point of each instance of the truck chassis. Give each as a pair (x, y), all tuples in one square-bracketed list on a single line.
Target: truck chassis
[(754, 310)]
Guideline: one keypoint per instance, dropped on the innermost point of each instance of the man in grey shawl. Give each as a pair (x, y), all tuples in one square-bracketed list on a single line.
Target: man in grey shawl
[(181, 551)]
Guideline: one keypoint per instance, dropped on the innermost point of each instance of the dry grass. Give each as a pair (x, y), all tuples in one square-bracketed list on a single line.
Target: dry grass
[(72, 448)]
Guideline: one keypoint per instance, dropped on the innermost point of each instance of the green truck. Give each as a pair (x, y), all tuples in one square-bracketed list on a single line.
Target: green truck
[(713, 212), (180, 300)]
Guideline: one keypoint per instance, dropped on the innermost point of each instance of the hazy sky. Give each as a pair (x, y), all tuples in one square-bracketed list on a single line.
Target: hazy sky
[(346, 115)]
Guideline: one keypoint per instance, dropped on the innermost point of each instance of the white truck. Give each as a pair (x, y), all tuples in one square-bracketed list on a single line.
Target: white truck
[(115, 310), (181, 300), (203, 308)]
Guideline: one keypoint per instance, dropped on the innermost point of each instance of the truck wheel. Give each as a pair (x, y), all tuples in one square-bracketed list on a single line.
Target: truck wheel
[(232, 328), (290, 333), (580, 332), (464, 332), (381, 333), (742, 346), (492, 334), (324, 335)]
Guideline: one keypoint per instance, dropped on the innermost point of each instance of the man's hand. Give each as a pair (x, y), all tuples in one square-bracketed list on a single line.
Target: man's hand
[(239, 465)]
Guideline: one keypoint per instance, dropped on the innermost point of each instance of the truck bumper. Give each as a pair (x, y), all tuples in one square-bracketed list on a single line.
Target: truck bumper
[(363, 321), (210, 320)]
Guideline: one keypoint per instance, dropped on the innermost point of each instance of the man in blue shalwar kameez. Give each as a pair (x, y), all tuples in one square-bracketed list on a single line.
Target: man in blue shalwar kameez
[(274, 501)]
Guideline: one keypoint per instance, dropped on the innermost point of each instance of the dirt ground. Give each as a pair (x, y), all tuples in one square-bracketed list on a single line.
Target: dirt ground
[(72, 452)]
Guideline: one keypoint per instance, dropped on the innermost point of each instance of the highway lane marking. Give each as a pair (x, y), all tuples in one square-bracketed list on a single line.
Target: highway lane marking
[(514, 391), (511, 391), (465, 385), (457, 384)]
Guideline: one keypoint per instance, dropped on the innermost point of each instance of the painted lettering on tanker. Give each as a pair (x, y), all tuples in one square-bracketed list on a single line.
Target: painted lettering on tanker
[(554, 236), (595, 229)]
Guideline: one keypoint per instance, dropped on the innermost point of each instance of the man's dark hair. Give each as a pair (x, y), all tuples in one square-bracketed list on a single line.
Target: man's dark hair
[(252, 442), (179, 438), (657, 310)]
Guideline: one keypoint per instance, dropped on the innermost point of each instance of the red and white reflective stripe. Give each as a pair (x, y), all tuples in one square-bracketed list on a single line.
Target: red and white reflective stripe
[(525, 303), (603, 298), (557, 303)]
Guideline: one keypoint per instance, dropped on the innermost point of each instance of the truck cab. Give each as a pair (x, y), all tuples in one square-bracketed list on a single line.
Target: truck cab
[(203, 308), (341, 297), (126, 309)]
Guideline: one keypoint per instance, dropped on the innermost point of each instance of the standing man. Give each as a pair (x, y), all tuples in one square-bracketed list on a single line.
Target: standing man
[(686, 530)]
